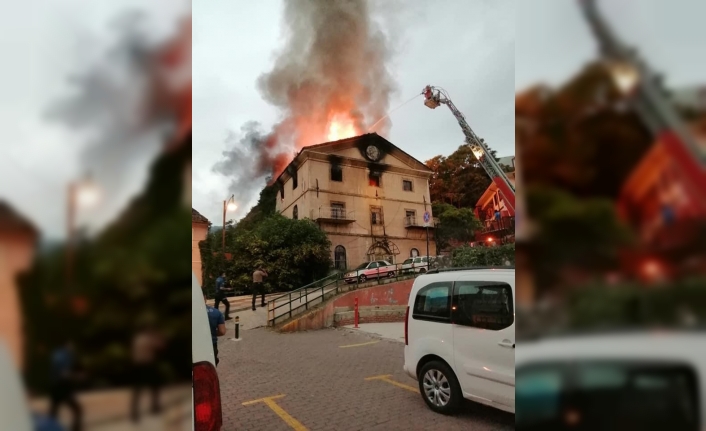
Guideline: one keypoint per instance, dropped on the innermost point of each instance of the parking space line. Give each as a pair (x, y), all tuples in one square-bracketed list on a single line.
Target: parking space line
[(386, 378), (361, 344), (286, 417)]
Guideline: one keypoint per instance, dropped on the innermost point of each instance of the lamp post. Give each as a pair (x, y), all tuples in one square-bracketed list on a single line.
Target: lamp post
[(228, 205), (81, 193)]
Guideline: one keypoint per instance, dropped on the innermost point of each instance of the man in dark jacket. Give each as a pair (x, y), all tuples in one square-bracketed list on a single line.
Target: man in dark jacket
[(63, 378), (221, 291)]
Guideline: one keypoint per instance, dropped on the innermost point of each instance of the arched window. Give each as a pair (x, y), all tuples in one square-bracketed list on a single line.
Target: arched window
[(339, 257), (295, 213), (414, 253)]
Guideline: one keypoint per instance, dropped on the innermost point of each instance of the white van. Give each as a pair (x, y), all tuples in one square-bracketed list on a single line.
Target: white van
[(648, 380), (14, 410), (460, 338), (205, 390)]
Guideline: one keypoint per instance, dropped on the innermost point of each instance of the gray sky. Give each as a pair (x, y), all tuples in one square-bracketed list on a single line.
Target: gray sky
[(43, 42), (466, 47), (553, 40)]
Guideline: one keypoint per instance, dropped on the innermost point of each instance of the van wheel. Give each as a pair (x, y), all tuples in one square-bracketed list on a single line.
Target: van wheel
[(362, 278), (422, 270), (439, 387)]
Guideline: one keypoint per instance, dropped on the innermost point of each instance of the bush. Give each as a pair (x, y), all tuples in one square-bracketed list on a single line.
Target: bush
[(483, 256)]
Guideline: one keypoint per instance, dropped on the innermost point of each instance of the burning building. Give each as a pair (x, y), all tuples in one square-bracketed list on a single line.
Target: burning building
[(368, 195)]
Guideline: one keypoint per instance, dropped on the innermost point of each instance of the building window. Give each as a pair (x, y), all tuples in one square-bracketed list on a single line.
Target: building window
[(407, 185), (281, 192), (410, 218), (374, 179), (336, 173), (295, 213), (433, 302), (295, 181), (338, 210), (376, 215), (339, 257), (484, 305), (414, 253)]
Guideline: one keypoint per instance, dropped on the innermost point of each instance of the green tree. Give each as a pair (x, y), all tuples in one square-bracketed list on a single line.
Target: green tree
[(458, 179), (455, 225), (467, 256)]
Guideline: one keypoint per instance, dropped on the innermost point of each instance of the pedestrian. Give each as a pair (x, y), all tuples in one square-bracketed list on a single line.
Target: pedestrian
[(145, 347), (63, 383), (221, 294), (258, 287), (218, 327)]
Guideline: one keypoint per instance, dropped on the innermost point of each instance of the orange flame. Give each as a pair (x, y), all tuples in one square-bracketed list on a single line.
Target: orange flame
[(341, 127)]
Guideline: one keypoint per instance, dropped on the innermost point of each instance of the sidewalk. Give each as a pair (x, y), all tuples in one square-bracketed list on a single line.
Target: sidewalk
[(109, 410), (387, 331)]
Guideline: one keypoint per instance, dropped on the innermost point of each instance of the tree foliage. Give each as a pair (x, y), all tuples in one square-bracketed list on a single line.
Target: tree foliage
[(455, 225), (458, 179), (293, 252), (467, 256)]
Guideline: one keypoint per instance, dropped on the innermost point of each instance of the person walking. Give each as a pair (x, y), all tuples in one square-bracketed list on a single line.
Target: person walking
[(258, 287), (62, 390), (218, 327), (221, 295)]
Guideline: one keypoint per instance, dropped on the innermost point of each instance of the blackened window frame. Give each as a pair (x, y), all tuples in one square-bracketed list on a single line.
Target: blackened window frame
[(336, 171)]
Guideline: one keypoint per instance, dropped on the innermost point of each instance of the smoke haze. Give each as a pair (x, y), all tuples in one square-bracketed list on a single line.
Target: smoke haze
[(329, 81)]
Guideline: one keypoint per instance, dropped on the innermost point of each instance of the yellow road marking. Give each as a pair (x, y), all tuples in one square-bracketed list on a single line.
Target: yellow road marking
[(361, 344), (386, 378), (286, 417)]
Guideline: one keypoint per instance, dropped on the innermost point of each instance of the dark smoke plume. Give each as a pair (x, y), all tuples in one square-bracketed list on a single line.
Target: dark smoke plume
[(333, 67)]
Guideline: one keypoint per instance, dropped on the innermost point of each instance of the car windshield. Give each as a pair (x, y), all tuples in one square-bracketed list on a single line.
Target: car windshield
[(362, 265), (407, 261)]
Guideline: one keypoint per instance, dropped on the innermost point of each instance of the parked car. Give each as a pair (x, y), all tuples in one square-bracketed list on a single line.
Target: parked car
[(206, 393), (369, 270), (630, 380), (460, 338), (419, 264)]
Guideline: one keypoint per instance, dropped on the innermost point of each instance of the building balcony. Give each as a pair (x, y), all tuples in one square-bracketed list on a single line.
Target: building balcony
[(414, 222), (333, 215), (505, 225)]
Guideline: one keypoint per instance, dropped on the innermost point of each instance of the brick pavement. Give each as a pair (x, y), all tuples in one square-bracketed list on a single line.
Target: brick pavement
[(324, 386)]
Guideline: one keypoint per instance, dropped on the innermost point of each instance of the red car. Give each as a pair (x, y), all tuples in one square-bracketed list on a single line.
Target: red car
[(368, 270)]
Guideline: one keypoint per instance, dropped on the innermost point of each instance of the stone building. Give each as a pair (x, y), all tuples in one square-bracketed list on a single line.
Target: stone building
[(369, 196), (199, 231)]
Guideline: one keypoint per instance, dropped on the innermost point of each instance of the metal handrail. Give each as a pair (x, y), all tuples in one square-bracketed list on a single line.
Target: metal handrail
[(334, 275)]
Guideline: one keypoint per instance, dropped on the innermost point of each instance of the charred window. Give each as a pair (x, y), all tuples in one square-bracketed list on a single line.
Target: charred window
[(336, 173), (374, 179), (295, 181), (281, 192)]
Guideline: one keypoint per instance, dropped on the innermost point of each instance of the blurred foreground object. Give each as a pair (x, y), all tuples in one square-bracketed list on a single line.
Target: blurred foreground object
[(17, 249), (14, 411), (624, 381)]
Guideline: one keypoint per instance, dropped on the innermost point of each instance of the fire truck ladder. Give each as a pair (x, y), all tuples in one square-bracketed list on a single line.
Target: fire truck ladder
[(642, 86), (433, 97)]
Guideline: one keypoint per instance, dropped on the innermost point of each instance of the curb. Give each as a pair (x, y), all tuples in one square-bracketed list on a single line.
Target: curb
[(368, 334)]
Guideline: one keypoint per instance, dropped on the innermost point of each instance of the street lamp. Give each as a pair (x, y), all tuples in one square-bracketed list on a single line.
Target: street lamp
[(228, 205), (83, 193)]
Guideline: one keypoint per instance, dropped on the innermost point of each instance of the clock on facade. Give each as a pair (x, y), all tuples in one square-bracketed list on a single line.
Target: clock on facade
[(373, 153)]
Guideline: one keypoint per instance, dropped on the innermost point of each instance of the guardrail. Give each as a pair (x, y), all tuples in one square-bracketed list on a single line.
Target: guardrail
[(286, 306)]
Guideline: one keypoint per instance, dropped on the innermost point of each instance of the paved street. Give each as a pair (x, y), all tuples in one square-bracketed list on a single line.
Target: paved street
[(317, 381)]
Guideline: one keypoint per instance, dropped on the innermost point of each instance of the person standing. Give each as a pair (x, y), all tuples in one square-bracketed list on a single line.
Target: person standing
[(218, 327), (63, 376), (221, 291), (258, 287), (145, 347)]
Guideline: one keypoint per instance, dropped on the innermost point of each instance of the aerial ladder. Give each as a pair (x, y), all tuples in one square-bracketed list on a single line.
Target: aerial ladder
[(433, 98), (645, 94)]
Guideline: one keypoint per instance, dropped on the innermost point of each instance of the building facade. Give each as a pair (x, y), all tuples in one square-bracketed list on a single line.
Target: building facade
[(18, 238), (369, 197), (199, 231)]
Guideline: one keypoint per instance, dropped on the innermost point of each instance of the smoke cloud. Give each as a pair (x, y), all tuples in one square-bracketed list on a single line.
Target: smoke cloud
[(330, 81)]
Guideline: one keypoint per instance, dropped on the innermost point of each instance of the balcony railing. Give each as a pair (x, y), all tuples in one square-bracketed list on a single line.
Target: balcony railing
[(492, 225), (336, 215), (414, 221)]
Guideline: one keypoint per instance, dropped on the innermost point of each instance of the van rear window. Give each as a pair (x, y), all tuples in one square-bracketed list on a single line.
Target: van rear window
[(607, 396), (433, 302)]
